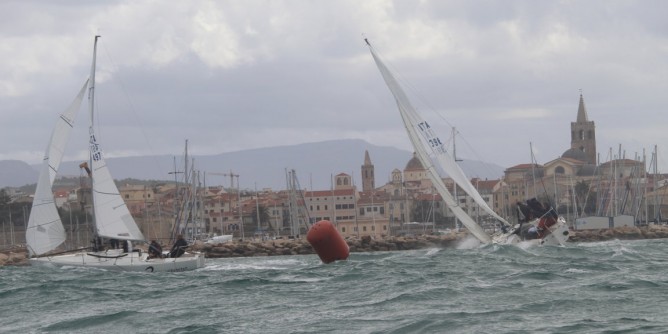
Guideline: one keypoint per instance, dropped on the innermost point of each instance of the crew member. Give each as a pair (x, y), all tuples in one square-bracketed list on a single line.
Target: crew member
[(154, 250), (179, 247)]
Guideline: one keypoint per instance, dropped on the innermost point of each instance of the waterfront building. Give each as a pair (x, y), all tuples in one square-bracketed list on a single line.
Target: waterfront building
[(372, 217), (338, 205)]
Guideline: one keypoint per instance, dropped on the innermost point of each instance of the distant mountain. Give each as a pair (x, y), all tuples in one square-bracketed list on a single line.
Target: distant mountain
[(15, 173), (314, 163)]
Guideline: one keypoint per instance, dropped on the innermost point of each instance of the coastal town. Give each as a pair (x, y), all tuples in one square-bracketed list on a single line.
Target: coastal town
[(577, 184), (349, 166)]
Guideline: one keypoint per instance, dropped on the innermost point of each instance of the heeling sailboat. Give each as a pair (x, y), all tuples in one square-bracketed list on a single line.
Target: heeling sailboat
[(423, 138), (112, 218)]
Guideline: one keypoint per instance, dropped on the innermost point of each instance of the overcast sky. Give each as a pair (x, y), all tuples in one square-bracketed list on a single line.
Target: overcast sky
[(236, 75)]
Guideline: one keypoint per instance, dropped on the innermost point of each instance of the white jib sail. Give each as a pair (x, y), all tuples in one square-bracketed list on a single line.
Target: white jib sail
[(414, 125), (45, 230), (112, 217), (451, 167)]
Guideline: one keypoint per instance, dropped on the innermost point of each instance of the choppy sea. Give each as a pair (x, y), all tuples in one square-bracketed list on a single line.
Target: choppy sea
[(603, 287)]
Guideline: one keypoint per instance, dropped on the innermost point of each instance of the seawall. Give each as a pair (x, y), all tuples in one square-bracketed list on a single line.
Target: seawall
[(247, 248), (301, 246)]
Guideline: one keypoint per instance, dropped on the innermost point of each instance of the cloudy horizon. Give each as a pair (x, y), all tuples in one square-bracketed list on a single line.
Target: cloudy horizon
[(237, 75)]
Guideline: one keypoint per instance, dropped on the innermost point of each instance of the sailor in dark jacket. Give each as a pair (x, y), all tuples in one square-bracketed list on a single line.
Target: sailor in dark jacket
[(179, 247), (154, 250)]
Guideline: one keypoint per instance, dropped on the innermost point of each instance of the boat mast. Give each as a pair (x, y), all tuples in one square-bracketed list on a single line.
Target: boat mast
[(91, 88), (533, 171), (94, 154), (454, 184), (655, 185)]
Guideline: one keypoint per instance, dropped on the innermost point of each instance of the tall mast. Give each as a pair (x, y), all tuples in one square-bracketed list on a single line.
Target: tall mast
[(91, 85), (533, 171), (93, 152), (454, 184), (655, 184)]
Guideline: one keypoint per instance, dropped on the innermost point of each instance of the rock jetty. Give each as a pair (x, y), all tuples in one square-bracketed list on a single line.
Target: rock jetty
[(15, 256), (248, 248), (301, 246), (621, 233)]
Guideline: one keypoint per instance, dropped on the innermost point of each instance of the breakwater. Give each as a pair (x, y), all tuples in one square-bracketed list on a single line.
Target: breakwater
[(247, 248), (240, 248), (301, 246), (14, 256), (621, 233)]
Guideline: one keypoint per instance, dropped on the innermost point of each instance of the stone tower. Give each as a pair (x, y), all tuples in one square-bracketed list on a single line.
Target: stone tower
[(583, 134), (368, 178)]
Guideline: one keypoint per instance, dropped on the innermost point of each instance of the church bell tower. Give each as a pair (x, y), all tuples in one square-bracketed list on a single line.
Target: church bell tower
[(368, 178), (583, 134)]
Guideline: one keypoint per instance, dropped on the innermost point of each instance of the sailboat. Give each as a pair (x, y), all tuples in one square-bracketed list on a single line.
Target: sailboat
[(113, 221), (551, 230)]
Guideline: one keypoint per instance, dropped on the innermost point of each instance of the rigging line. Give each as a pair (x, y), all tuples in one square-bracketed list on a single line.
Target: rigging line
[(105, 193), (43, 203), (132, 108), (406, 84), (542, 182), (660, 160), (416, 93), (476, 155), (42, 224)]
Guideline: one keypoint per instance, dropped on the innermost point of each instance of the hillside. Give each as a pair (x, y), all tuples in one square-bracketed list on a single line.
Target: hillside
[(315, 163), (15, 173)]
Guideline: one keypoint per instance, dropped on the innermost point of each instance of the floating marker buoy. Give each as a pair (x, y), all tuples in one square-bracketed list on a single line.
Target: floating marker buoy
[(327, 242)]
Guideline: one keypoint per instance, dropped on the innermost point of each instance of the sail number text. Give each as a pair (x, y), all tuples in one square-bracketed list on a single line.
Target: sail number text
[(434, 141), (95, 153)]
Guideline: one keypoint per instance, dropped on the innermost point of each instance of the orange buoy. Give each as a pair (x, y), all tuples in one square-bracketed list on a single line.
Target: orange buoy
[(327, 242)]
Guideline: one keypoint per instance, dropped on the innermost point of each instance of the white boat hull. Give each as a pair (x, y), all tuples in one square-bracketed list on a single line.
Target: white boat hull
[(117, 261), (220, 239), (557, 235)]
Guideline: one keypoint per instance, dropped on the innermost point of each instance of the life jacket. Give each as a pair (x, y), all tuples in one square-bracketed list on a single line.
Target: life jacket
[(544, 225)]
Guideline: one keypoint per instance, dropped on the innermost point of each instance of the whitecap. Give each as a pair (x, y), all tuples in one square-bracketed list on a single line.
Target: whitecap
[(432, 251), (261, 264), (470, 242)]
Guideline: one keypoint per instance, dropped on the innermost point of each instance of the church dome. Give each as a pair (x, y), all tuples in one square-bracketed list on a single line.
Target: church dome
[(587, 170), (414, 164), (575, 153)]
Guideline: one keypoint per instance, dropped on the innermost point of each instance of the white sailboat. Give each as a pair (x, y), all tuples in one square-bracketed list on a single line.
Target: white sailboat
[(425, 140), (45, 232)]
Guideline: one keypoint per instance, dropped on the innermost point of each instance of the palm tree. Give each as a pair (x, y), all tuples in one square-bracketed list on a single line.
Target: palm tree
[(264, 216)]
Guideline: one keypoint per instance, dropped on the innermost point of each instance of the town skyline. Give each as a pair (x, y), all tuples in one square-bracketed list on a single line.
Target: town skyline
[(576, 183)]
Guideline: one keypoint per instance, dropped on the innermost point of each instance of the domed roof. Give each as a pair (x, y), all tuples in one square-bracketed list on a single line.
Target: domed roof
[(587, 170), (575, 153), (414, 164)]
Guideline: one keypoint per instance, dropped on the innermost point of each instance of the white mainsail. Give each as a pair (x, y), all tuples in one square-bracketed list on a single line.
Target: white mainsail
[(112, 217), (45, 230), (416, 128)]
